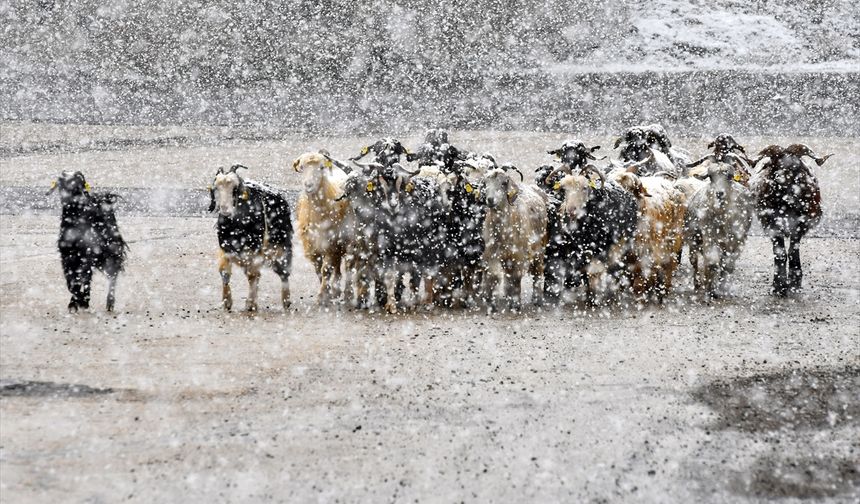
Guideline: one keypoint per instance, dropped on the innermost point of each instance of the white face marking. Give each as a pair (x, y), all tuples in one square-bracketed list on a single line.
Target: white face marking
[(225, 184)]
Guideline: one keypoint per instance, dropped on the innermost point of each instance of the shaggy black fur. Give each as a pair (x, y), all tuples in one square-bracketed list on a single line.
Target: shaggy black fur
[(89, 239)]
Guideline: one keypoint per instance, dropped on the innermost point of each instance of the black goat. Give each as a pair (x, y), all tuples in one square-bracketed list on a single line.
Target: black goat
[(386, 152), (436, 151), (593, 232), (788, 200), (463, 264), (414, 237), (254, 229), (89, 238)]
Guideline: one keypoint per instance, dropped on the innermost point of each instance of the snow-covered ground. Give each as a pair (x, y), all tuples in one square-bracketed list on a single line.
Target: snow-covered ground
[(744, 399)]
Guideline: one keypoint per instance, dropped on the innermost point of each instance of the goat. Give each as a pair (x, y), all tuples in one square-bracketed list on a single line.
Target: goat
[(650, 145), (716, 223), (437, 151), (726, 150), (788, 204), (462, 264), (659, 232), (254, 229), (386, 152), (320, 218), (593, 237), (89, 239), (368, 228), (514, 235), (416, 232)]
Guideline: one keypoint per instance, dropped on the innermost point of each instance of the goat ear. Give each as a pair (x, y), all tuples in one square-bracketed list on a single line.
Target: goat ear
[(711, 145), (617, 142), (211, 199)]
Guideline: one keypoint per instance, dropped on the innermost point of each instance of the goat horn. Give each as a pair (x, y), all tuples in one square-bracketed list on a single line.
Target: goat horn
[(518, 171), (591, 168), (560, 169), (800, 150), (665, 174), (236, 167), (709, 157)]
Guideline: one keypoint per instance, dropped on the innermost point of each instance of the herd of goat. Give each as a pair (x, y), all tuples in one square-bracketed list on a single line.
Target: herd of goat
[(470, 229)]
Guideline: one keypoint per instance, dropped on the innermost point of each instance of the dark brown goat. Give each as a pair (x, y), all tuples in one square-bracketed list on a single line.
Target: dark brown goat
[(788, 201)]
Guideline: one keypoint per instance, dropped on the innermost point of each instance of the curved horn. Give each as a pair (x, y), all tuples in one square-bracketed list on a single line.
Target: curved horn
[(367, 166), (618, 142), (296, 164), (709, 157), (801, 150), (518, 171), (237, 167), (342, 166), (560, 169), (593, 169)]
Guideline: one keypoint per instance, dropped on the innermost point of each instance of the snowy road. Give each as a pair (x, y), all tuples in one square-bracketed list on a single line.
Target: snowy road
[(745, 399)]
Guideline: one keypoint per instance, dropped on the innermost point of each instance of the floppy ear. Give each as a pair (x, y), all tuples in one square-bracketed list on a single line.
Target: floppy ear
[(618, 142), (211, 199), (556, 152)]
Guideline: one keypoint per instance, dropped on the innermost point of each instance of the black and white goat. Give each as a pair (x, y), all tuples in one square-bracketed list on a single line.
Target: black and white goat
[(254, 229), (89, 238)]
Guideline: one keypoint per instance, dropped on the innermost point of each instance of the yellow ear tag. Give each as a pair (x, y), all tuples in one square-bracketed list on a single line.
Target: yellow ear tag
[(365, 150), (245, 195), (327, 163), (468, 187), (370, 187), (556, 186), (477, 194), (511, 194), (737, 177), (87, 186), (592, 184), (409, 187), (53, 184)]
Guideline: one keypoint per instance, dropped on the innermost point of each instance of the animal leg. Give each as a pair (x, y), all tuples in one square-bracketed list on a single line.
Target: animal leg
[(537, 272), (111, 295), (393, 283), (82, 280), (513, 286), (491, 284), (225, 268), (282, 269), (795, 272), (780, 283), (253, 274), (429, 291)]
